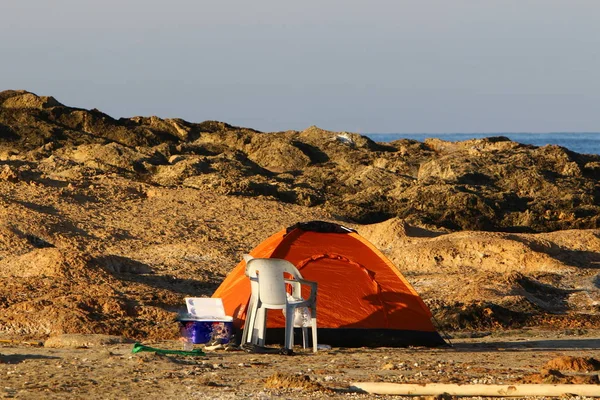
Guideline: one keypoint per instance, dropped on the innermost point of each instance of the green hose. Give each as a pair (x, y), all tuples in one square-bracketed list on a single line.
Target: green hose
[(137, 347)]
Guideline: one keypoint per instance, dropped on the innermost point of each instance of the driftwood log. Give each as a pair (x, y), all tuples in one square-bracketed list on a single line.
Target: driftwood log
[(516, 390)]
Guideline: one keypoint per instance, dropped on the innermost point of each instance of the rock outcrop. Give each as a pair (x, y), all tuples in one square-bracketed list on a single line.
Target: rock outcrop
[(490, 184), (106, 224)]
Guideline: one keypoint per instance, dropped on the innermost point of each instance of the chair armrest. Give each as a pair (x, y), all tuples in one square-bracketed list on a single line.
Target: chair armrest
[(295, 286), (313, 286), (302, 281), (310, 283)]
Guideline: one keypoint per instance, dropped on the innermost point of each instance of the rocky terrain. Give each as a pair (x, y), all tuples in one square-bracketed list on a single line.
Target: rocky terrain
[(106, 224)]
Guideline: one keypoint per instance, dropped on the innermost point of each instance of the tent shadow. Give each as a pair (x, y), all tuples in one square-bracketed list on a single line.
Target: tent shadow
[(375, 318), (392, 325)]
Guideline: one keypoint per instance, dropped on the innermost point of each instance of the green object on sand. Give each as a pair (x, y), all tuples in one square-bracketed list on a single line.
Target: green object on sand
[(137, 347)]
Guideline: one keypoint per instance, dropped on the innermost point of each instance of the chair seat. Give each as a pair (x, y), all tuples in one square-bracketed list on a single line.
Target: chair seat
[(292, 303)]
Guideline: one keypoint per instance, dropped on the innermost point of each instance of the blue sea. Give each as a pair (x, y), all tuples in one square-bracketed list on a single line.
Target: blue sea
[(585, 143)]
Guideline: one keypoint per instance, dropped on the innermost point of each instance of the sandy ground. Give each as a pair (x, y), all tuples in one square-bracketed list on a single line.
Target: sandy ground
[(113, 372)]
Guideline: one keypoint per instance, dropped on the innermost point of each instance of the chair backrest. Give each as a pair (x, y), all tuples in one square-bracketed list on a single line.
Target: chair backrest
[(252, 265), (271, 284), (249, 272)]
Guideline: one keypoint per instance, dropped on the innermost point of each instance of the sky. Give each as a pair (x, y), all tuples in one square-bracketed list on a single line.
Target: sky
[(422, 66)]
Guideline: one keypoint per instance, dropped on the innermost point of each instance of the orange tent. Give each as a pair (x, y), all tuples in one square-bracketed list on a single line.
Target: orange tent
[(362, 298)]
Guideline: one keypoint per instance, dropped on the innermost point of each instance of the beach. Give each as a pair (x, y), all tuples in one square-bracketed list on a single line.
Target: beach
[(113, 372), (107, 225)]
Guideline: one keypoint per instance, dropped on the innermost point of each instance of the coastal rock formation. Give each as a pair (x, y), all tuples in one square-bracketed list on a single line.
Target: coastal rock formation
[(106, 224), (489, 184)]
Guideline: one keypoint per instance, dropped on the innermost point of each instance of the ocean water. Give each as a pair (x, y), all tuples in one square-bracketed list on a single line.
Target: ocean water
[(585, 143)]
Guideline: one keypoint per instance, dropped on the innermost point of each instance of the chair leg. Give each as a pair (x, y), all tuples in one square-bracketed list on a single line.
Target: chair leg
[(289, 328), (304, 337), (314, 334), (249, 323), (245, 330), (261, 326), (253, 335)]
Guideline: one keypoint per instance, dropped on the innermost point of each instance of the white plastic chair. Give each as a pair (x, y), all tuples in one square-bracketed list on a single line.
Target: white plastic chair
[(269, 292)]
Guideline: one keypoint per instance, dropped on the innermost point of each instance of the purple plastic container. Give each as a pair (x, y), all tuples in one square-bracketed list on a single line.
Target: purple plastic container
[(205, 331)]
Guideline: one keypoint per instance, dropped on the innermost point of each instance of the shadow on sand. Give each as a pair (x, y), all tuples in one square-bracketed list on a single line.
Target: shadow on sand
[(19, 358), (524, 345)]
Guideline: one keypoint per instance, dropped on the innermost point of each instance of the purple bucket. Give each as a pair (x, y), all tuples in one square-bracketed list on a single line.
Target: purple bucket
[(205, 331)]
